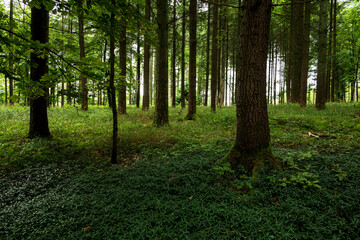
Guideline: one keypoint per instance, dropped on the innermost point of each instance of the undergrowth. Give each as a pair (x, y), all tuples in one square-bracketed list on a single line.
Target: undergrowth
[(167, 185)]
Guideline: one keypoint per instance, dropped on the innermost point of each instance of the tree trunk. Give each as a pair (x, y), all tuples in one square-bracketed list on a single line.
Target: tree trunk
[(11, 63), (84, 91), (161, 106), (183, 59), (122, 65), (214, 57), (252, 148), (321, 75), (112, 90), (173, 59), (207, 56), (192, 61), (151, 77), (223, 56), (305, 55), (335, 86), (145, 105), (39, 126), (138, 59), (68, 85)]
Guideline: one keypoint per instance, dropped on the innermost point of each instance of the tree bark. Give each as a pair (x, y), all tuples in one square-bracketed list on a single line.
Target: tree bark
[(252, 148), (173, 59), (145, 105), (11, 63), (183, 58), (161, 106), (335, 86), (207, 56), (305, 55), (321, 75), (39, 126), (138, 59), (192, 61), (83, 80), (214, 57), (112, 90), (122, 65)]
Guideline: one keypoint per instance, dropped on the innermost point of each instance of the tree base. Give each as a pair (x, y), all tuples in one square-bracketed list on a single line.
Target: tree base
[(191, 117), (252, 161)]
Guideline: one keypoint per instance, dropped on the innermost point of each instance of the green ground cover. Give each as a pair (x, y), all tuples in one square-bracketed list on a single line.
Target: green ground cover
[(168, 185)]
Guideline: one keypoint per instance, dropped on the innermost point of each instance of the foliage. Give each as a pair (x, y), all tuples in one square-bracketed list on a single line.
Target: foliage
[(166, 186)]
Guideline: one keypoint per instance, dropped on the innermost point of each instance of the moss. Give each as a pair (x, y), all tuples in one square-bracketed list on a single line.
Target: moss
[(191, 117), (252, 161)]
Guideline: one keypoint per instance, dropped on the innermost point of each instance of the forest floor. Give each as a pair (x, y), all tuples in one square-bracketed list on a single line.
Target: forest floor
[(168, 186)]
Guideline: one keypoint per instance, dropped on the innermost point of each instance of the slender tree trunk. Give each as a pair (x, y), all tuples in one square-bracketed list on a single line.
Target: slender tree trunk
[(328, 72), (68, 85), (321, 75), (252, 148), (161, 106), (39, 126), (207, 56), (138, 59), (83, 80), (334, 81), (112, 90), (275, 73), (183, 59), (305, 55), (173, 59), (223, 57), (6, 91), (151, 78), (11, 63), (122, 65), (145, 105), (214, 57), (192, 61)]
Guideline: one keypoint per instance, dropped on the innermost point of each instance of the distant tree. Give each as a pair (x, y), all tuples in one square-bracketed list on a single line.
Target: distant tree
[(161, 106), (39, 126), (207, 55), (252, 146)]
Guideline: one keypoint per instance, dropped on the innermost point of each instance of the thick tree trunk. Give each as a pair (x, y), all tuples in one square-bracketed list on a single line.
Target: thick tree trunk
[(214, 63), (161, 106), (173, 59), (122, 65), (83, 80), (39, 126), (207, 56), (183, 58), (192, 61), (145, 105), (305, 55), (252, 147), (112, 91), (321, 75)]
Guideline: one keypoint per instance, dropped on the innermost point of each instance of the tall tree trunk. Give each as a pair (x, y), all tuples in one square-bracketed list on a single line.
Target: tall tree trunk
[(173, 59), (84, 91), (275, 73), (68, 85), (214, 57), (145, 105), (11, 63), (39, 126), (223, 56), (328, 72), (122, 65), (6, 91), (161, 106), (297, 49), (138, 59), (252, 146), (207, 56), (305, 55), (321, 75), (335, 87), (151, 77), (183, 58), (192, 61), (112, 89)]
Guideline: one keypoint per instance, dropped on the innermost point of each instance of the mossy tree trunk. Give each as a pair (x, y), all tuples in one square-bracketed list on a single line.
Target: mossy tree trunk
[(39, 126), (252, 147)]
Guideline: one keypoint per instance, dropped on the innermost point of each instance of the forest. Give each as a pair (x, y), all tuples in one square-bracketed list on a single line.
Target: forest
[(188, 119)]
